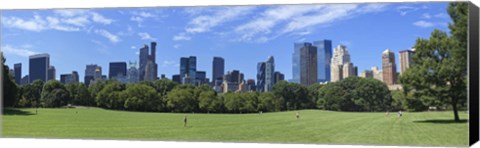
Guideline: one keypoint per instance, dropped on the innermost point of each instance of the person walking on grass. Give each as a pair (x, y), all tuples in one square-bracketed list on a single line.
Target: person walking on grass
[(185, 121), (297, 115)]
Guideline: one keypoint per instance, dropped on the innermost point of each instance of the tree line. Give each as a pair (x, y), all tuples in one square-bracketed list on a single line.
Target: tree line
[(164, 95)]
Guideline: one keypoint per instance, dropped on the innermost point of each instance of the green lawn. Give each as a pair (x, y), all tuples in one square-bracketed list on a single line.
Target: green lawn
[(314, 126)]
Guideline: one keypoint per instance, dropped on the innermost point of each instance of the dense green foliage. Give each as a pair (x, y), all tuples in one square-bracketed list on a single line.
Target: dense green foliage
[(10, 88), (356, 94), (438, 75), (313, 127), (352, 94), (54, 94)]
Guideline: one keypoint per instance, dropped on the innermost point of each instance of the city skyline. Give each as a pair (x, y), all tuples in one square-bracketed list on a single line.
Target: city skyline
[(107, 37)]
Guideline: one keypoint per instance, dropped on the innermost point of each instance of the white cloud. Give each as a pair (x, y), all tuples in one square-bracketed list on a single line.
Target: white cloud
[(23, 51), (70, 12), (441, 15), (145, 36), (176, 46), (168, 63), (139, 17), (426, 16), (81, 21), (404, 10), (37, 24), (62, 20), (100, 18), (133, 47), (423, 24), (289, 19), (181, 36), (56, 24), (113, 38), (204, 23)]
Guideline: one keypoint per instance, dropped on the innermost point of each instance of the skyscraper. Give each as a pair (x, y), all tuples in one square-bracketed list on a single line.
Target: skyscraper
[(17, 68), (148, 68), (132, 74), (51, 73), (218, 70), (308, 65), (90, 74), (269, 73), (296, 61), (389, 68), (406, 59), (117, 69), (251, 85), (69, 78), (188, 66), (266, 75), (143, 61), (341, 66), (38, 67), (367, 74), (75, 77), (261, 77), (176, 78), (201, 77), (324, 55), (150, 71), (278, 77)]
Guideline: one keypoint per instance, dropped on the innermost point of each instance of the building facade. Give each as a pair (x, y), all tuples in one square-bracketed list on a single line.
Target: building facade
[(17, 69), (117, 70), (38, 67), (389, 68), (51, 73), (279, 77), (308, 65), (218, 70), (148, 68), (324, 55), (341, 66), (406, 59), (132, 74), (261, 77), (188, 67)]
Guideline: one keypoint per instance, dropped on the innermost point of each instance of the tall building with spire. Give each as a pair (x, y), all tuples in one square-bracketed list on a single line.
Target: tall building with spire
[(341, 66), (389, 68)]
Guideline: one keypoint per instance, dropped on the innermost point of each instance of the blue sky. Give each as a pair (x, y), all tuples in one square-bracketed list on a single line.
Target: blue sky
[(242, 35)]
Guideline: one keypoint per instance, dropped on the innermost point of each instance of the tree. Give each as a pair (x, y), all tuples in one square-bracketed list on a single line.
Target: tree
[(80, 94), (355, 94), (313, 93), (374, 94), (141, 97), (182, 99), (10, 88), (209, 102), (110, 96), (54, 94), (269, 103), (233, 102), (440, 66), (295, 96)]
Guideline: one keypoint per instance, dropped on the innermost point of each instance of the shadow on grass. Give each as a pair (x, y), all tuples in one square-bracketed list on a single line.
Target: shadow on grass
[(442, 121), (12, 111)]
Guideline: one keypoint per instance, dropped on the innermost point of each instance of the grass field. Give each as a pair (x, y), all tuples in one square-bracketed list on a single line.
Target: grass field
[(314, 126)]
